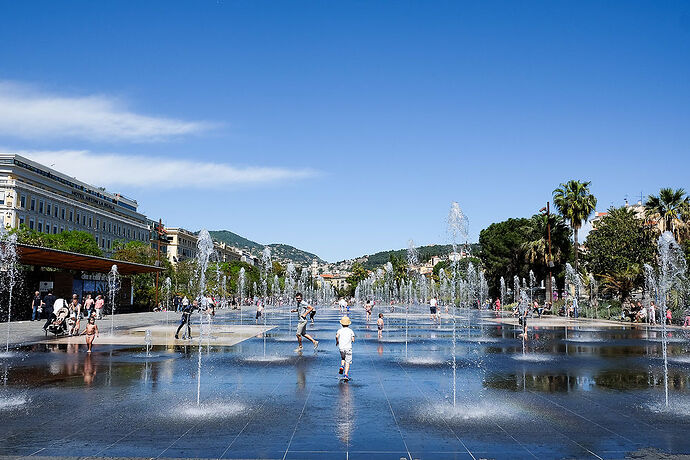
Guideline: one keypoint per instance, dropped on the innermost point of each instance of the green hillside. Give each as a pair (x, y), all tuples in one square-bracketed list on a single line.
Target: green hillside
[(282, 252), (425, 253)]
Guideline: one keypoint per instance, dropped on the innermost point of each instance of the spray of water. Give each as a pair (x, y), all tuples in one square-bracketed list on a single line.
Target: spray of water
[(9, 276), (113, 288), (204, 252), (672, 267)]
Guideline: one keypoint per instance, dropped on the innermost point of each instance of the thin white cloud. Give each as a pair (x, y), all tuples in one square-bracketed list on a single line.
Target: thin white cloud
[(117, 170), (30, 114)]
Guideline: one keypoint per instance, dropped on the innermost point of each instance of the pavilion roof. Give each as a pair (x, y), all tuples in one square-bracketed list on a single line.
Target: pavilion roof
[(47, 257)]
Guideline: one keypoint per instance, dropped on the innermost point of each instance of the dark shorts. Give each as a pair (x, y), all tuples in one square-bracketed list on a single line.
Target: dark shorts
[(312, 313), (432, 310), (258, 314)]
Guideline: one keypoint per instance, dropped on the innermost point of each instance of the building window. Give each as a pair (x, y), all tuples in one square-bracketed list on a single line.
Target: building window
[(96, 240), (78, 218), (40, 207), (98, 224), (71, 216), (55, 214), (48, 227), (22, 201), (62, 229), (21, 220), (90, 222), (49, 209), (40, 226), (31, 224), (33, 204), (110, 227), (103, 225), (54, 229), (62, 213), (83, 220), (108, 244)]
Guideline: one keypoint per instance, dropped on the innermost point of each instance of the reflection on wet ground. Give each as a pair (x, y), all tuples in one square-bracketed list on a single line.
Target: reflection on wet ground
[(575, 393)]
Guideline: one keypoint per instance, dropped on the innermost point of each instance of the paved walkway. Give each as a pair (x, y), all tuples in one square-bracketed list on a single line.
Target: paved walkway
[(130, 328)]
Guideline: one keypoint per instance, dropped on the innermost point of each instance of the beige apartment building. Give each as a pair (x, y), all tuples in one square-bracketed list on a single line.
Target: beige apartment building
[(182, 245), (49, 201)]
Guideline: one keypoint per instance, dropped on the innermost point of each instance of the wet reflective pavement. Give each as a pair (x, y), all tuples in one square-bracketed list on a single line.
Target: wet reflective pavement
[(587, 392)]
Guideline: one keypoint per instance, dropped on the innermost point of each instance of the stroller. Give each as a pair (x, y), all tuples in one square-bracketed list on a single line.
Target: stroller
[(59, 318)]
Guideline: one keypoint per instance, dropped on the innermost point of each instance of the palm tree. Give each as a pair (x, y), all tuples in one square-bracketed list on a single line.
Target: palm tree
[(536, 246), (575, 203), (670, 208)]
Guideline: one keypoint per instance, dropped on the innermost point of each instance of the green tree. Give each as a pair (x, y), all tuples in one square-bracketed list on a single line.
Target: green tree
[(536, 250), (72, 241), (278, 269), (671, 208), (617, 248), (358, 273), (502, 252), (575, 203), (144, 284)]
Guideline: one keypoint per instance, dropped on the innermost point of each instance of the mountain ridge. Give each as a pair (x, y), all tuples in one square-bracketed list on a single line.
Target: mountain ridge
[(280, 251)]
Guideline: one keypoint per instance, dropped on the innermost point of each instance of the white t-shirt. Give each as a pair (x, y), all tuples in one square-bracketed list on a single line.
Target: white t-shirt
[(433, 302), (343, 303), (345, 336)]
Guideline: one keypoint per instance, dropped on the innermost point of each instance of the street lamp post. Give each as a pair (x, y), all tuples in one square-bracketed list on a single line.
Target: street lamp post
[(549, 262)]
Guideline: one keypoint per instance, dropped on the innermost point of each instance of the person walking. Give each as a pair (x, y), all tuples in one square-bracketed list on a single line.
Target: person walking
[(89, 306), (91, 332), (343, 340), (36, 307), (433, 308), (185, 320), (48, 304), (303, 309)]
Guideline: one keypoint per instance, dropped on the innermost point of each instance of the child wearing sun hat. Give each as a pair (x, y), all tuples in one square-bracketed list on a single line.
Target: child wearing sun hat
[(343, 339)]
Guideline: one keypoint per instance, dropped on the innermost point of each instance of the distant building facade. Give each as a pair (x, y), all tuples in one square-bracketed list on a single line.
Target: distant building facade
[(48, 201)]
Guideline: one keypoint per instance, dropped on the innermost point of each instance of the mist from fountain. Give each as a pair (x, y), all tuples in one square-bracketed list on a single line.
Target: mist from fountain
[(113, 288), (204, 251), (10, 270), (672, 268)]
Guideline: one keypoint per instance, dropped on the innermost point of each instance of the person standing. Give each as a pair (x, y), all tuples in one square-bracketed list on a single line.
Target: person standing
[(98, 306), (303, 309), (342, 303), (379, 325), (75, 315), (36, 306), (259, 310), (343, 340), (367, 308), (498, 304)]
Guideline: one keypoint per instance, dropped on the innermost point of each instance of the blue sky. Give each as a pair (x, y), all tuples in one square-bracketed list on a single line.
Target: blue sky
[(347, 128)]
